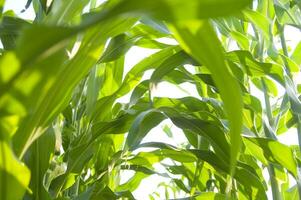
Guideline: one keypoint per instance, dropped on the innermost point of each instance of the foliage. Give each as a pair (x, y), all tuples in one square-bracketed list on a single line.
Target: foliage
[(65, 134)]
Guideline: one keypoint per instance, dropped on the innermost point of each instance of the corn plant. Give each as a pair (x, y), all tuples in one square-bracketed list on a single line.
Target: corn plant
[(65, 134)]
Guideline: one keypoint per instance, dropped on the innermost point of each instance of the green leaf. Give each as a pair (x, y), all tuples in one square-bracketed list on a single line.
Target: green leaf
[(13, 174), (208, 129), (292, 94), (144, 122), (10, 30), (164, 151), (271, 87), (210, 196), (177, 10), (65, 11), (255, 68), (110, 78), (199, 40), (270, 150), (292, 193), (117, 47), (260, 21), (178, 59), (286, 14), (38, 159), (139, 91), (79, 155), (152, 62), (295, 55), (1, 7), (253, 187), (49, 105), (242, 40), (132, 79), (50, 40), (133, 183)]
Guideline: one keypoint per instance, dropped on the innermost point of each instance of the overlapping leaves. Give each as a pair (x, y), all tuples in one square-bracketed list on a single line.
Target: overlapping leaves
[(60, 113)]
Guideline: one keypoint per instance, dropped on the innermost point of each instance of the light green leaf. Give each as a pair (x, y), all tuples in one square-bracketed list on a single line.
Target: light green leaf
[(178, 10), (270, 150), (210, 196), (13, 175)]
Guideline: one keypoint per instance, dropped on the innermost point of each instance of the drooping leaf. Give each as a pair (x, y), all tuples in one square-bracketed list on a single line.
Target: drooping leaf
[(199, 40), (144, 122), (177, 10)]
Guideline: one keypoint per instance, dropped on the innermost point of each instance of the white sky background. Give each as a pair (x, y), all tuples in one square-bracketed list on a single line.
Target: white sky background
[(149, 185)]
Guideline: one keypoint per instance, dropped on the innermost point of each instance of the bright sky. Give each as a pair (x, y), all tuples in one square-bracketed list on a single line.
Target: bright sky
[(165, 89)]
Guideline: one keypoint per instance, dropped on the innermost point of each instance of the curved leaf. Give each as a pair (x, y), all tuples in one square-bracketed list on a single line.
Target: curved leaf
[(200, 41)]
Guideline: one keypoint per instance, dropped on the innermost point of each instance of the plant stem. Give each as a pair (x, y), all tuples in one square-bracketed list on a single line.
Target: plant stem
[(274, 184), (284, 47), (285, 52), (202, 144), (267, 103)]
